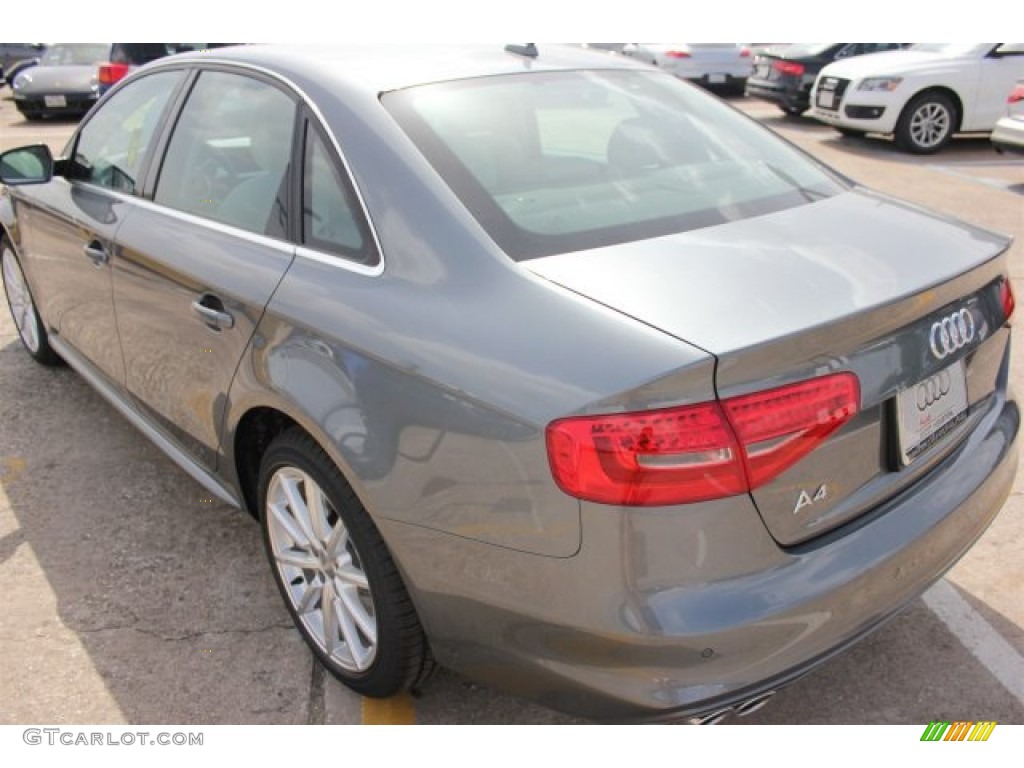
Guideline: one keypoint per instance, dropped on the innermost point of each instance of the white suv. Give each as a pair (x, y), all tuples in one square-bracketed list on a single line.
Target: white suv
[(922, 95)]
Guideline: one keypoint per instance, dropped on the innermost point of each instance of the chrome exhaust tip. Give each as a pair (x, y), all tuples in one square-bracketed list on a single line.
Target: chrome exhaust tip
[(742, 709), (752, 705), (712, 718)]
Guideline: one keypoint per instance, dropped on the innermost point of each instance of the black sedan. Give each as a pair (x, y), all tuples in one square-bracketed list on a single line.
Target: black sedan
[(785, 74)]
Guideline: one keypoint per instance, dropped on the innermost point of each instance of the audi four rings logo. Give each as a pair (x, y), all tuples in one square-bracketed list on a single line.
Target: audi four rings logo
[(932, 390), (951, 333)]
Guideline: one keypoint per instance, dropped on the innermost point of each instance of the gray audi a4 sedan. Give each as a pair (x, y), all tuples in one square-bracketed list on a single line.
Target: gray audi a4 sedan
[(537, 364)]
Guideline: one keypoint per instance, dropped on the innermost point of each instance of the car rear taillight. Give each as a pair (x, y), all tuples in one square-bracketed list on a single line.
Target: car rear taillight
[(789, 68), (677, 54), (697, 452), (779, 427), (1017, 94), (1006, 298), (744, 52), (111, 73)]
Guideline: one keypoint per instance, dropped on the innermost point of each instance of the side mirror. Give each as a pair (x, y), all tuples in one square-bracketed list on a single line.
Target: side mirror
[(26, 165)]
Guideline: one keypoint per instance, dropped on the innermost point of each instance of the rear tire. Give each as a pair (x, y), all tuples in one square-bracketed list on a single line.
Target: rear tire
[(23, 308), (793, 111), (335, 573)]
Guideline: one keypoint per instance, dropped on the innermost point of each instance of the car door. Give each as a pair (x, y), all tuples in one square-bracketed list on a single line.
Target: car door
[(70, 224), (201, 261), (1000, 70)]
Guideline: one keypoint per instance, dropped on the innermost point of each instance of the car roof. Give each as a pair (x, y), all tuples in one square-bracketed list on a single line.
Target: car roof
[(381, 68)]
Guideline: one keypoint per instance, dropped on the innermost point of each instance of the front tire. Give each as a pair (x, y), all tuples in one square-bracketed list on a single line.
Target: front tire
[(23, 309), (335, 573), (926, 124)]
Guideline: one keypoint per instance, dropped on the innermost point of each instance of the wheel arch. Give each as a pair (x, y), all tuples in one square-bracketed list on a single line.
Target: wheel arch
[(945, 90), (8, 224), (256, 426), (252, 435)]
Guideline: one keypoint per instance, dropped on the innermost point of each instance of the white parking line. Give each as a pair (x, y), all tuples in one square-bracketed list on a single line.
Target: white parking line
[(1007, 162), (994, 183), (978, 636)]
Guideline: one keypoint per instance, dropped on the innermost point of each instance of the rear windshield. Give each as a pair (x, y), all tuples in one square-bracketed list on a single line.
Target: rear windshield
[(552, 162), (797, 50)]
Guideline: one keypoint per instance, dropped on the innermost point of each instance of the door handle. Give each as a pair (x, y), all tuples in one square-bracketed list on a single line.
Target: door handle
[(211, 310), (97, 253)]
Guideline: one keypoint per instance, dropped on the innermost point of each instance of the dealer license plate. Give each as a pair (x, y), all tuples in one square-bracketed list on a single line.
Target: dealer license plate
[(716, 77), (930, 410), (55, 101)]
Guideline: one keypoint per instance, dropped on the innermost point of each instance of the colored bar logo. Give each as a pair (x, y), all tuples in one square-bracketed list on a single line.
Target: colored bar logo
[(959, 730)]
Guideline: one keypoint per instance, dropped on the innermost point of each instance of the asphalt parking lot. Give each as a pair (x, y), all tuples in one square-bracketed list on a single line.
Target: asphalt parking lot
[(131, 597)]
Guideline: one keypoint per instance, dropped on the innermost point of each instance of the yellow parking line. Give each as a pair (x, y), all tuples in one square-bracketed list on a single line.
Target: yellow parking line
[(10, 468), (398, 710)]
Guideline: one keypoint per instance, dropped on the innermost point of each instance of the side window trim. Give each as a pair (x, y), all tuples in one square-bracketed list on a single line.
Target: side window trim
[(148, 159), (170, 120), (371, 256)]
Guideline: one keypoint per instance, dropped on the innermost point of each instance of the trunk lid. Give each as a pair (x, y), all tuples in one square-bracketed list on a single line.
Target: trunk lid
[(856, 283), (64, 79)]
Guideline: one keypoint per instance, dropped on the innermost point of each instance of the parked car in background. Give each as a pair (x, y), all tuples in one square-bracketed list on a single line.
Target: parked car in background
[(70, 77), (1008, 135), (566, 375), (923, 95), (785, 74), (605, 47), (716, 66), (12, 54)]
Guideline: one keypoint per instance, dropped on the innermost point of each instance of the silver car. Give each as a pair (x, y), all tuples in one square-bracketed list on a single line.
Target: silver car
[(1008, 135), (538, 364), (71, 77), (716, 66)]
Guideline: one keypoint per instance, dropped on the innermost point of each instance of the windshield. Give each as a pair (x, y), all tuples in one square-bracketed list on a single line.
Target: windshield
[(64, 54), (560, 161), (953, 49)]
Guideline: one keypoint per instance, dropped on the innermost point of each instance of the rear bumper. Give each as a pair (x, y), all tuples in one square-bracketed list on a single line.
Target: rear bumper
[(75, 104), (790, 97), (667, 614), (712, 82), (1008, 135)]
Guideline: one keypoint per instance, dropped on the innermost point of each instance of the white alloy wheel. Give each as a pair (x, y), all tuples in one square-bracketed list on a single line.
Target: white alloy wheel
[(20, 301), (927, 123), (323, 575)]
